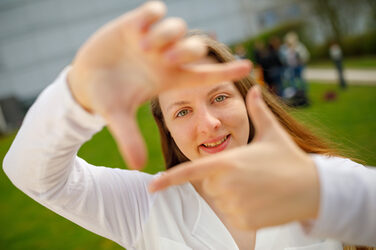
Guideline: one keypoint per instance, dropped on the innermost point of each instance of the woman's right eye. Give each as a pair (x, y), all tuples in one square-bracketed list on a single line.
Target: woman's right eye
[(183, 112)]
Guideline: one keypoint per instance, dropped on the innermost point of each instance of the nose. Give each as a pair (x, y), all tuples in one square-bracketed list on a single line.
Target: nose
[(207, 121)]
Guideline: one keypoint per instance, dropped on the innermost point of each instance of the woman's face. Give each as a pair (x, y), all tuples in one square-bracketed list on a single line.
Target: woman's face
[(205, 120)]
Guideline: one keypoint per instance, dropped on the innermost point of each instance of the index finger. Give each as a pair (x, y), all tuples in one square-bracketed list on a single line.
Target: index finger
[(196, 170), (212, 73), (145, 15)]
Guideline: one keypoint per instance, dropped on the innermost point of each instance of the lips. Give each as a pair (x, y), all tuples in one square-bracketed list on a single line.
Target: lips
[(217, 145)]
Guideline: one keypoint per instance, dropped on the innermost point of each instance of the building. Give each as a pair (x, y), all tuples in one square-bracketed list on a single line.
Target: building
[(39, 38)]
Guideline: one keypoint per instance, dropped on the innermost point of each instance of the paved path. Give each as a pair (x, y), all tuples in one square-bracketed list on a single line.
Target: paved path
[(352, 76)]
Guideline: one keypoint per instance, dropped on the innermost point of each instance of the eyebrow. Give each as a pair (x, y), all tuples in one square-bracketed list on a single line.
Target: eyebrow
[(179, 103), (224, 85)]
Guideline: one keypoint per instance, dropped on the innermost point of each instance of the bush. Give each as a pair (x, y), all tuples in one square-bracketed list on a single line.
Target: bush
[(364, 44), (352, 46), (355, 45)]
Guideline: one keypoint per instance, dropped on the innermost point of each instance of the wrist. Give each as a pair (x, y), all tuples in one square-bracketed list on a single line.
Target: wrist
[(76, 90), (311, 189)]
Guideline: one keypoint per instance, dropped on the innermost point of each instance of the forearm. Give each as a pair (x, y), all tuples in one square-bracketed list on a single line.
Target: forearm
[(348, 202), (42, 162), (43, 152)]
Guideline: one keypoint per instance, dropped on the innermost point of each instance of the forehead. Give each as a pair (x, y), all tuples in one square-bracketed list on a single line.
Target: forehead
[(190, 93), (186, 94)]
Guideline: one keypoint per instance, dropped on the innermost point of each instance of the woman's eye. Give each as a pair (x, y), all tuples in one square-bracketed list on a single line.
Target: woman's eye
[(220, 98), (182, 113)]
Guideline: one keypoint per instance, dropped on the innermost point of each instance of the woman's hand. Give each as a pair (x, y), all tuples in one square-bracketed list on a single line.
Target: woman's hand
[(269, 182), (133, 58)]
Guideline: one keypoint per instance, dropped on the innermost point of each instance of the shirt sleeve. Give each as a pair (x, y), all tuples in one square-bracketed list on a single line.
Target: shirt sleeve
[(348, 202), (42, 162)]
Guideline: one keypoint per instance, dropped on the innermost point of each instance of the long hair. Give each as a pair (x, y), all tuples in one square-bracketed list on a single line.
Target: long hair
[(306, 140)]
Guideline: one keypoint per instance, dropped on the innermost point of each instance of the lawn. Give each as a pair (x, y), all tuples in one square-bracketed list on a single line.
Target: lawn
[(350, 120), (364, 62)]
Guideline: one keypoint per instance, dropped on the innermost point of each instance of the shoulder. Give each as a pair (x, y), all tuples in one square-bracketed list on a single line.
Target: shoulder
[(333, 161)]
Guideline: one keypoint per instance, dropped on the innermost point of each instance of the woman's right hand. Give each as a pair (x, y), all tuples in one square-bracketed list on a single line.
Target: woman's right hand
[(132, 59)]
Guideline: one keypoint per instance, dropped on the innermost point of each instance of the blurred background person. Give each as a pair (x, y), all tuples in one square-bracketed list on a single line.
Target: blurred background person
[(275, 66), (259, 55), (335, 53), (296, 56), (267, 57)]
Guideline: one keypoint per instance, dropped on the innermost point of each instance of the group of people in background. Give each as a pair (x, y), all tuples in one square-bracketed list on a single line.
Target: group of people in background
[(282, 66)]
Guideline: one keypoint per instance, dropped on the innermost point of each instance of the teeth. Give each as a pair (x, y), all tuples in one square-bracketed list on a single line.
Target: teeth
[(214, 144)]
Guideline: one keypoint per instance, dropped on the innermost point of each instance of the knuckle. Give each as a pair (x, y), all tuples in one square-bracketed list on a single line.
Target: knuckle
[(170, 29), (197, 46), (178, 22), (209, 187), (155, 8), (189, 171)]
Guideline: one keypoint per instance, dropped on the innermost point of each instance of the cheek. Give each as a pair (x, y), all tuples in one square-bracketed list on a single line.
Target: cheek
[(183, 136), (237, 119)]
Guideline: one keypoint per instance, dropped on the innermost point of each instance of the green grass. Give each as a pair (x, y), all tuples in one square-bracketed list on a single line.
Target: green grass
[(101, 150), (364, 62), (27, 225), (350, 120)]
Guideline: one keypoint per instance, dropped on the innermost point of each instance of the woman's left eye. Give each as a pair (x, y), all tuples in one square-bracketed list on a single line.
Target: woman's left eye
[(220, 98), (183, 112)]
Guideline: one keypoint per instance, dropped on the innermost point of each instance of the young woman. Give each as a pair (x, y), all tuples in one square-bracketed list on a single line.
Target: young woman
[(126, 62), (219, 53)]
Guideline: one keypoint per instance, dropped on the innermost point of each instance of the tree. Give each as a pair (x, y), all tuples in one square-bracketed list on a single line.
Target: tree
[(341, 17)]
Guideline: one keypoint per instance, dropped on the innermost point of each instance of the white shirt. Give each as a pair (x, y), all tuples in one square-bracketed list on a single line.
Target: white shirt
[(348, 202), (335, 52), (115, 203)]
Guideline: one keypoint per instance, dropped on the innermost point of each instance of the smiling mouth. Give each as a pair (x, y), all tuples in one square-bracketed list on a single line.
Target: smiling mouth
[(215, 144)]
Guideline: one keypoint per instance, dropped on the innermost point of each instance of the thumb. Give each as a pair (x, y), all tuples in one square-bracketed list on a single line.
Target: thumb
[(262, 117), (128, 137)]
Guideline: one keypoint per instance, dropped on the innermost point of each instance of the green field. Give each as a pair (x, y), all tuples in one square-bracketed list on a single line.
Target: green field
[(350, 120)]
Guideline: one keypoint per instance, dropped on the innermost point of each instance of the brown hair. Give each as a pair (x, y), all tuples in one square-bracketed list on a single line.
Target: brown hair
[(301, 135)]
